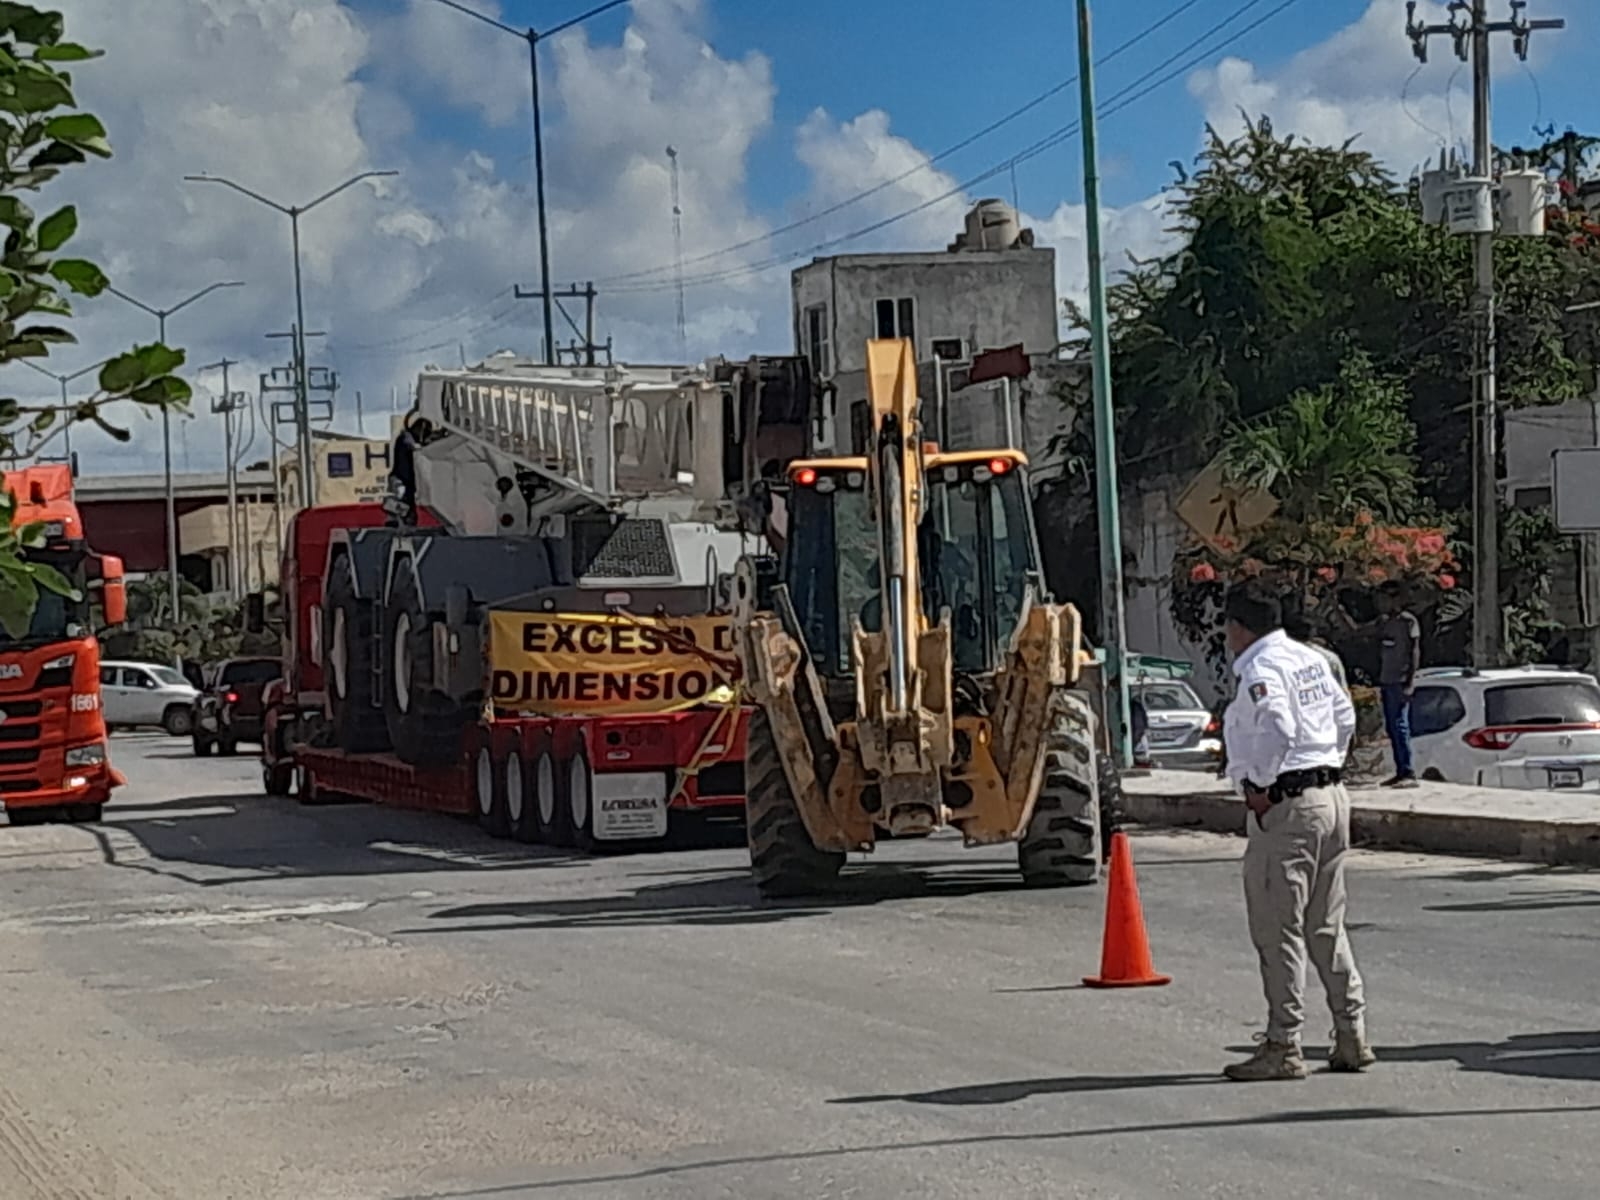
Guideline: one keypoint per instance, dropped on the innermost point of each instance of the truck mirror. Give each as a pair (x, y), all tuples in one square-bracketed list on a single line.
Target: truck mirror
[(457, 603), (113, 594), (255, 612)]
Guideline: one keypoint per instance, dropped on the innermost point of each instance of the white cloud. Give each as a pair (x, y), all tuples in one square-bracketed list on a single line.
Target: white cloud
[(291, 97), (1351, 86)]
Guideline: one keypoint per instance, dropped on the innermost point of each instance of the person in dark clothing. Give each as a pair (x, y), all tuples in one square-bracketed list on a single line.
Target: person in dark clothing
[(1400, 657)]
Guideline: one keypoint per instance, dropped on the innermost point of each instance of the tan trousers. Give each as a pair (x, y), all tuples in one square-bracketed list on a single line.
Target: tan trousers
[(1295, 894)]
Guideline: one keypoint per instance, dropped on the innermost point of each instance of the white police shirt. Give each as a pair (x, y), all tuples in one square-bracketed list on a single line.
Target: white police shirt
[(1289, 713)]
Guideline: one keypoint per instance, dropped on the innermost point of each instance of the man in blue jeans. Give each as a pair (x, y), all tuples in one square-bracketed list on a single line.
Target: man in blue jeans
[(1400, 655)]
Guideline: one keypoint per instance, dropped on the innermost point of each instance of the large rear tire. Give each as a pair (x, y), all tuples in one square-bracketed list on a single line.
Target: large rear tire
[(783, 860), (1061, 847), (425, 727), (347, 628)]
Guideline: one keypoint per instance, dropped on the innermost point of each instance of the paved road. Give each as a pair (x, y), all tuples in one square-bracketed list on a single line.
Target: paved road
[(217, 995)]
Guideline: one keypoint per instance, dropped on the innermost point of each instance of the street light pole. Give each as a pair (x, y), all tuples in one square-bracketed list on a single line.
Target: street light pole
[(302, 399), (1113, 614), (533, 37), (161, 315), (63, 380)]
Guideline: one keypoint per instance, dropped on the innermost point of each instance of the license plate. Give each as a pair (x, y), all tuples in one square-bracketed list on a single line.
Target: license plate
[(1163, 736), (629, 807), (1566, 777)]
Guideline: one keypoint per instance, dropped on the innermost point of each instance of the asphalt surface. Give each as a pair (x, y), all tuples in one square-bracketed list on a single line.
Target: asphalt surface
[(219, 995)]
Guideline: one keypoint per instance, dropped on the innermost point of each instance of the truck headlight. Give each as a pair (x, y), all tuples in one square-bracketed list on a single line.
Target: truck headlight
[(58, 664), (87, 756)]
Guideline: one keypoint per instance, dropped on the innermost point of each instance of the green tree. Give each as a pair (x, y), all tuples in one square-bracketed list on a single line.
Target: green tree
[(1306, 281), (42, 132)]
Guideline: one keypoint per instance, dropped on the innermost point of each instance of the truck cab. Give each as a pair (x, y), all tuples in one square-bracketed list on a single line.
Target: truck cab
[(54, 759)]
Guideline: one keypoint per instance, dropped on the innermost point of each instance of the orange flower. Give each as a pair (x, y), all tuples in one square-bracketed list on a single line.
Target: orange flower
[(1377, 574), (1447, 582), (1202, 572), (1327, 574)]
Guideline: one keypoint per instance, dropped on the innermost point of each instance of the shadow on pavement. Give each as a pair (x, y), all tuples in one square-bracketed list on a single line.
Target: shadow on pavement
[(257, 838), (1300, 1117), (1010, 1091), (1572, 1055), (1524, 902), (723, 899)]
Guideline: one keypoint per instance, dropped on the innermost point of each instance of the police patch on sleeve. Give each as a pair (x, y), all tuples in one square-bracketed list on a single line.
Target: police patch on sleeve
[(1258, 692)]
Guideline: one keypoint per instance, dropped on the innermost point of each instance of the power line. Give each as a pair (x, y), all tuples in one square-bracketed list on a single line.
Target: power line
[(1151, 81), (875, 189), (400, 339)]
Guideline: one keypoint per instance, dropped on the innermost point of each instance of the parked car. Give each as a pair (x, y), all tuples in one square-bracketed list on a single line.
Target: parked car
[(134, 694), (1181, 731), (1517, 727), (230, 709)]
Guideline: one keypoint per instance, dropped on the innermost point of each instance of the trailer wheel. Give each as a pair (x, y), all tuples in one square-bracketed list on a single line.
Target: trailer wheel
[(550, 810), (490, 799), (276, 779), (425, 727), (347, 631), (580, 803), (305, 786), (521, 807), (1061, 847), (783, 858)]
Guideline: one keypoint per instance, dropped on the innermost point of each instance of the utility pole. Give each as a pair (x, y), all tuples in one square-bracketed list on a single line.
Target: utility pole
[(225, 406), (299, 411), (174, 595), (585, 352), (1113, 608), (677, 250), (1470, 32), (294, 212)]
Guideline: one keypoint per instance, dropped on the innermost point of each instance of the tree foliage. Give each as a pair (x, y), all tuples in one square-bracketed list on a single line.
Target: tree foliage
[(43, 132), (1314, 330)]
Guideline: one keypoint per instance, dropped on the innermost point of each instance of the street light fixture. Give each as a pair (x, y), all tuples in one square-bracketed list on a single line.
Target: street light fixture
[(533, 37), (63, 380), (161, 315), (302, 403)]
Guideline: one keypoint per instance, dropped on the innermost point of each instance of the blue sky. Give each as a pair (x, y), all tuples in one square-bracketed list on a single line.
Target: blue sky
[(780, 113)]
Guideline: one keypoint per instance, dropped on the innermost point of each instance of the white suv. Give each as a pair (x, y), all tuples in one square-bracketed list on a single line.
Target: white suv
[(1518, 727)]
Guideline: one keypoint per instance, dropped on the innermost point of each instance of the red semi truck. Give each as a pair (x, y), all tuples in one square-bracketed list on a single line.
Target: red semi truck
[(528, 634), (54, 762)]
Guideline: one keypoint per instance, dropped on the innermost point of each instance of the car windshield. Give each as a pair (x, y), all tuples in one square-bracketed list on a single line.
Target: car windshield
[(54, 617), (1557, 702), (169, 677), (1168, 697), (260, 671)]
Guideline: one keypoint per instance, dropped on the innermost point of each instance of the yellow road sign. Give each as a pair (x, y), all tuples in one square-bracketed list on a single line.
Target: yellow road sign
[(1220, 513)]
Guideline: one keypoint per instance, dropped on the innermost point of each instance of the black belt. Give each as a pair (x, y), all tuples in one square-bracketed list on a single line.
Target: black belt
[(1296, 783)]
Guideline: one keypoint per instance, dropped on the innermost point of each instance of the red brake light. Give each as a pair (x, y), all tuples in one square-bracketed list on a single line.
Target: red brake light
[(805, 476), (999, 466), (1491, 738), (232, 698), (1214, 726)]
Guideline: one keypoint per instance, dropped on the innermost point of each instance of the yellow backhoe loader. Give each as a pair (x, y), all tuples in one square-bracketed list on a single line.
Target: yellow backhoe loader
[(907, 669)]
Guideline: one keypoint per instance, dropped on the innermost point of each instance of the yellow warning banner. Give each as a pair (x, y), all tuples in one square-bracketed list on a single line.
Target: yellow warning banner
[(561, 664)]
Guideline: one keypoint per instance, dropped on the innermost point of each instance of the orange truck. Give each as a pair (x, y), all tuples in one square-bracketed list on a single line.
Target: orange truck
[(54, 761)]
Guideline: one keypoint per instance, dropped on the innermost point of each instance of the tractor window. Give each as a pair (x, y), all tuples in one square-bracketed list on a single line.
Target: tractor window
[(985, 550), (975, 541)]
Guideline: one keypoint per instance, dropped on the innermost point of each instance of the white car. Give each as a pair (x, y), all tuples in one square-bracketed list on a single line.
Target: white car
[(1517, 727), (133, 694), (1181, 730)]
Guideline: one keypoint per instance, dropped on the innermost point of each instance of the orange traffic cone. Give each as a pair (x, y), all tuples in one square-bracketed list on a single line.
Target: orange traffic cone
[(1125, 953)]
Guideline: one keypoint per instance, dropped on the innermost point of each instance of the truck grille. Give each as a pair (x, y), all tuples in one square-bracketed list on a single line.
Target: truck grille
[(19, 733), (635, 548), (10, 787), (18, 754)]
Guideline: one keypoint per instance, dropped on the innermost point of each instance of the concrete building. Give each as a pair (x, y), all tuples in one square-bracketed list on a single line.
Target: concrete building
[(992, 288), (126, 514)]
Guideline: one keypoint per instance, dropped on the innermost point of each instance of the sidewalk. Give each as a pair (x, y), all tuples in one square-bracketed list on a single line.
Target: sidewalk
[(1436, 818)]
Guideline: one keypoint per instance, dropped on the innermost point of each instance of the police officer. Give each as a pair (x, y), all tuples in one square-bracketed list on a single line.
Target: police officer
[(1287, 732)]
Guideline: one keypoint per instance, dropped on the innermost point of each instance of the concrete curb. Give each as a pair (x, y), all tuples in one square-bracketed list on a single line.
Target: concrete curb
[(1475, 835)]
